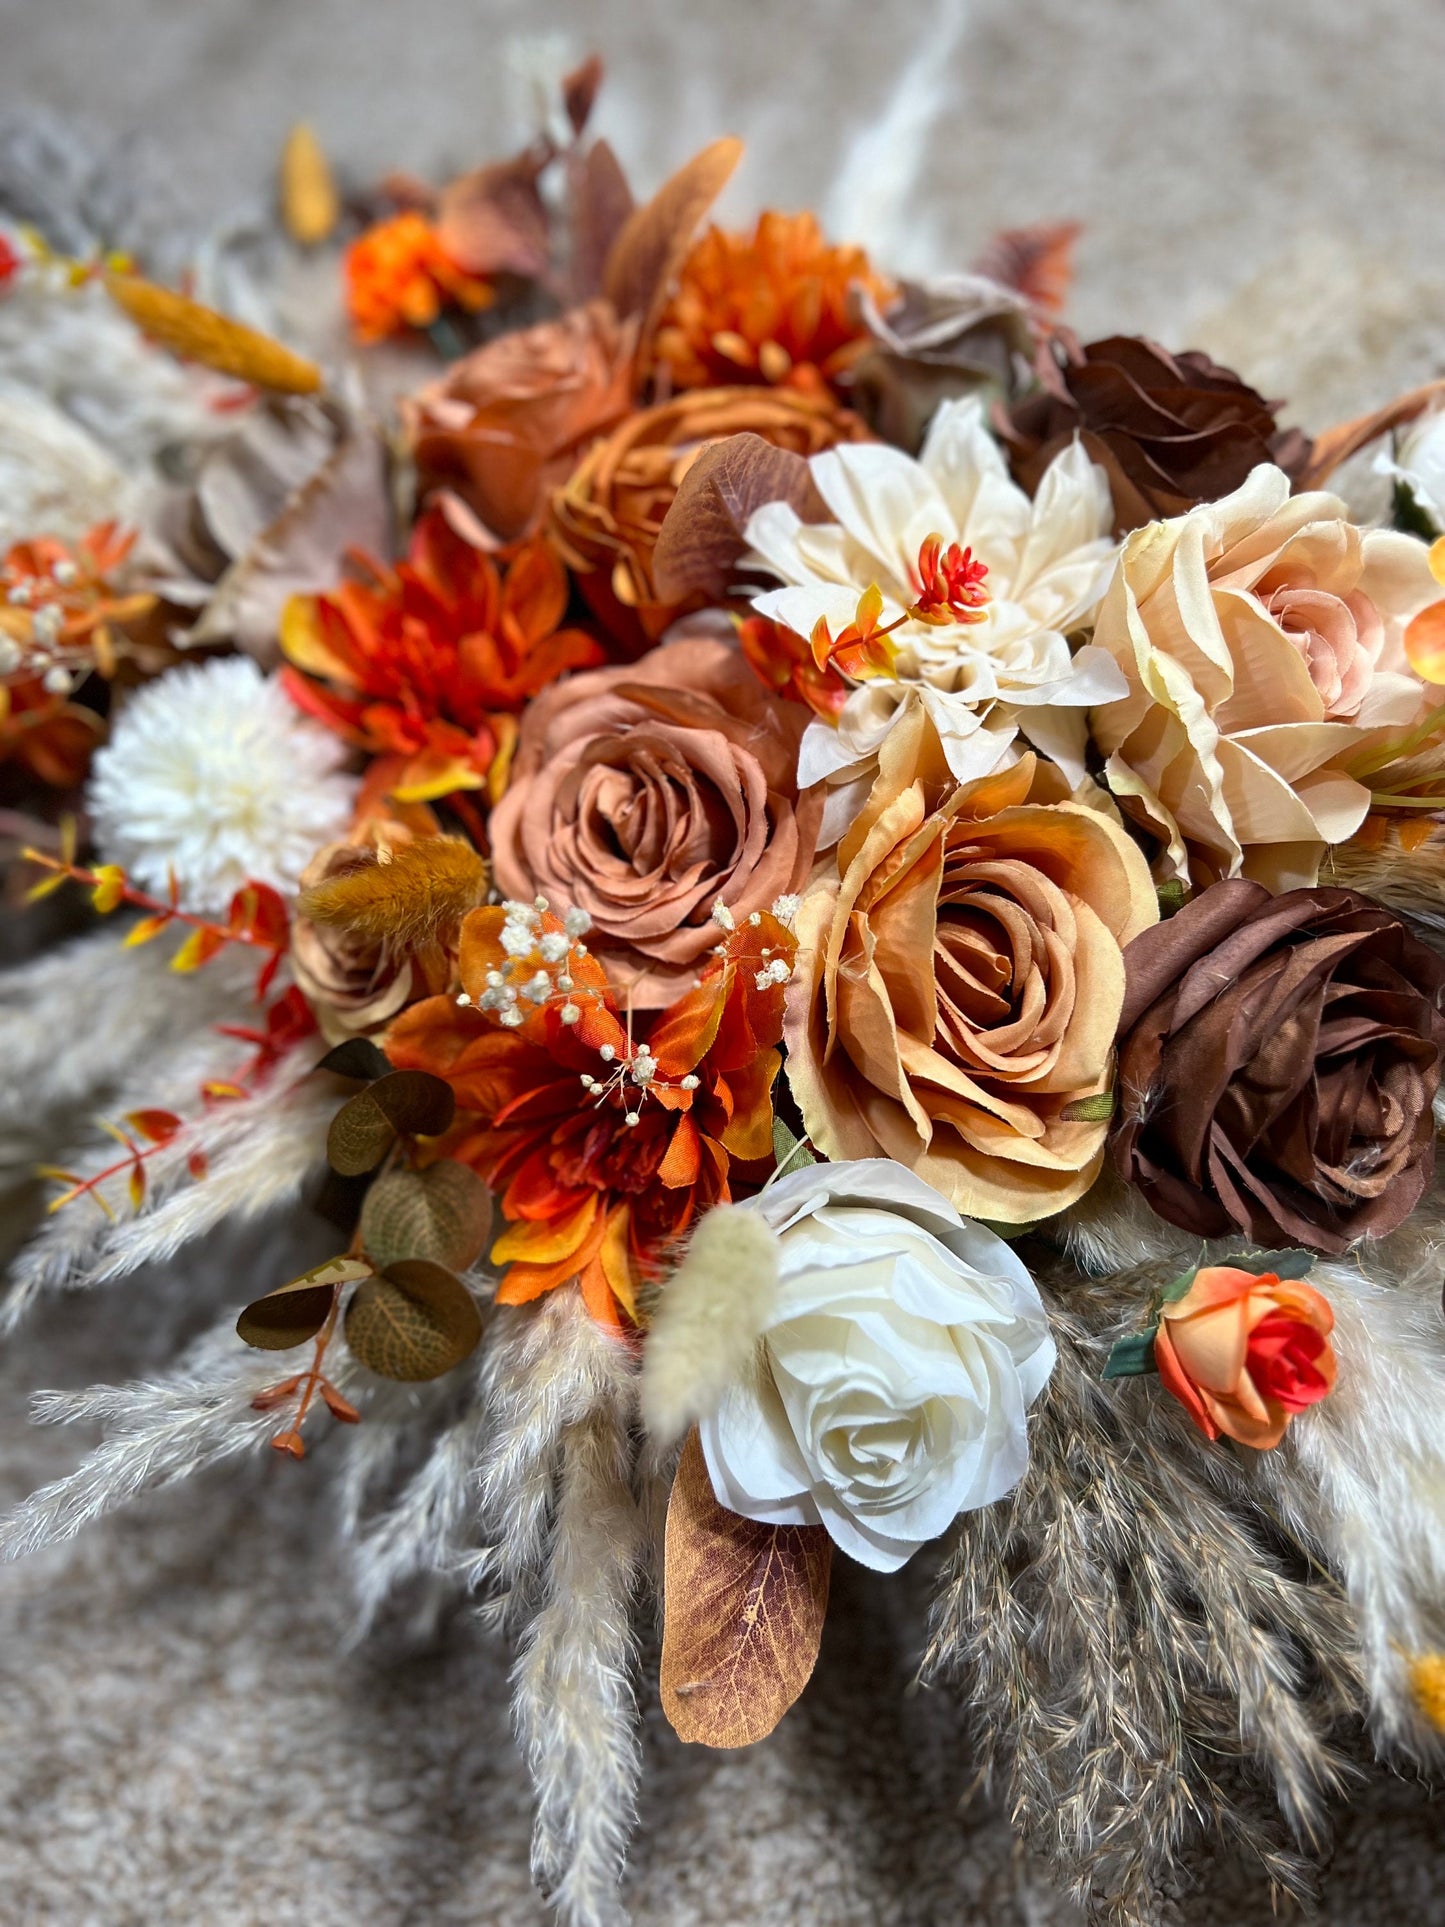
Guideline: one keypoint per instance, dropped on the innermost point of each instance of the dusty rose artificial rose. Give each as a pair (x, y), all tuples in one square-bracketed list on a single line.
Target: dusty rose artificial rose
[(648, 793), (1169, 430), (960, 977), (1262, 638), (355, 986), (1278, 1060), (510, 420), (1243, 1353)]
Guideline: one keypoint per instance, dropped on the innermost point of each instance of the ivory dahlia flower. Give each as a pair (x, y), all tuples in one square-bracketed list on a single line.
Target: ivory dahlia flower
[(996, 664)]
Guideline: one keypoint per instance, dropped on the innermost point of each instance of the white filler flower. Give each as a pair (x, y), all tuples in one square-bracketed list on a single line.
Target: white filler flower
[(1049, 561), (898, 1362), (213, 774)]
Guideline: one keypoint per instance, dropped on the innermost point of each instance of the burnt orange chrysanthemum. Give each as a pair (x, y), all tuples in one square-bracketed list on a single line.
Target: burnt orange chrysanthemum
[(426, 663), (773, 306), (399, 276)]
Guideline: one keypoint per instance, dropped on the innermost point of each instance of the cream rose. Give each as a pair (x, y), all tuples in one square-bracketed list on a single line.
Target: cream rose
[(890, 1390), (1262, 637)]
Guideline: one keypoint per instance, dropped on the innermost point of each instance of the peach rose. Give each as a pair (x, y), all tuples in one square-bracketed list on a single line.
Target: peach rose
[(510, 420), (1263, 639), (647, 793), (1244, 1352), (961, 980)]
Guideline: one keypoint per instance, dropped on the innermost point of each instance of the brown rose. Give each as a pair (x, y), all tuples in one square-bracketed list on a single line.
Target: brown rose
[(509, 420), (1169, 430), (605, 520), (959, 978), (1278, 1061), (646, 794)]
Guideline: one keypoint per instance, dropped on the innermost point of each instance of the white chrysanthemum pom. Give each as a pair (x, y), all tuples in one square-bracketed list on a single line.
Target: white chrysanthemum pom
[(212, 773)]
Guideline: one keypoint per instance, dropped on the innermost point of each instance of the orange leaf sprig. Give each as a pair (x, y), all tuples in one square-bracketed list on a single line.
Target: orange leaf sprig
[(257, 916), (948, 589), (149, 1131), (306, 1387)]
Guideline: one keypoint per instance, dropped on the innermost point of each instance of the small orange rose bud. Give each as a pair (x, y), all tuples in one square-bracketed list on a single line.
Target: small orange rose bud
[(1244, 1352)]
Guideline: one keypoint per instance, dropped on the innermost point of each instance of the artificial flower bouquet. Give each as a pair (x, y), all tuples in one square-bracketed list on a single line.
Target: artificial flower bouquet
[(836, 897)]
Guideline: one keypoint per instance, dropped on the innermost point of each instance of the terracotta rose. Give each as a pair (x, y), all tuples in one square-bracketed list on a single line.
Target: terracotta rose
[(960, 977), (1243, 1353), (646, 794), (510, 420), (1278, 1060)]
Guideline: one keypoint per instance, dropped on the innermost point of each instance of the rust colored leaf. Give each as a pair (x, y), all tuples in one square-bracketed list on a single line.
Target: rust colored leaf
[(199, 948), (293, 1313), (493, 220), (598, 204), (310, 205), (1336, 445), (1037, 260), (579, 92), (156, 1127), (743, 1615), (648, 252), (701, 537), (414, 1322), (198, 333)]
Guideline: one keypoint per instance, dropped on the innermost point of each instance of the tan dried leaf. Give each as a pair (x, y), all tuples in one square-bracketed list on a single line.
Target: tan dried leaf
[(494, 221), (443, 1213), (743, 1613), (414, 1322), (648, 252), (701, 537), (293, 1313), (310, 205), (198, 333), (599, 202), (362, 1130)]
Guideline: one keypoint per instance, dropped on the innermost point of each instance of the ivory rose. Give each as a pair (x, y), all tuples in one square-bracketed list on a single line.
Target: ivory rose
[(1243, 1353), (960, 980), (902, 1352), (1262, 640), (645, 794)]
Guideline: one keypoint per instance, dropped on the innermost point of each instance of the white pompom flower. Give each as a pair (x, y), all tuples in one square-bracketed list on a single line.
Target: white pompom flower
[(214, 776)]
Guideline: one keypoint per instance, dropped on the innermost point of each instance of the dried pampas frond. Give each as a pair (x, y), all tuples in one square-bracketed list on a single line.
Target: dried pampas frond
[(567, 1548), (1131, 1640), (406, 899), (1405, 874), (708, 1320)]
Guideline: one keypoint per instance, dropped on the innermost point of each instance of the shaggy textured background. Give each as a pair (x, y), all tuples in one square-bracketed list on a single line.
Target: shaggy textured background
[(188, 1737)]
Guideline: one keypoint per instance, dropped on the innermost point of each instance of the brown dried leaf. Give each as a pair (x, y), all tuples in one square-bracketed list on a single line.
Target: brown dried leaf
[(293, 1313), (579, 92), (414, 1322), (1334, 446), (701, 536), (598, 202), (655, 237), (310, 205), (362, 1130), (493, 220), (198, 333), (743, 1614), (443, 1213)]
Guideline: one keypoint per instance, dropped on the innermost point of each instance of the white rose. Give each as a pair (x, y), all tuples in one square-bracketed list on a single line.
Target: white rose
[(896, 1366)]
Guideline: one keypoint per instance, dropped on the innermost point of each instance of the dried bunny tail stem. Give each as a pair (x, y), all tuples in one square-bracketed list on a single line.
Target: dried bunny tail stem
[(1409, 881), (159, 1432), (573, 1698), (708, 1320), (1334, 446), (1129, 1643), (420, 891), (260, 1152), (1361, 1479)]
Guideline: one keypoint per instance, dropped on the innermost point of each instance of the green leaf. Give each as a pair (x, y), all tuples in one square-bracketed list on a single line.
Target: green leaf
[(788, 1150), (443, 1213), (415, 1321), (1408, 516), (1281, 1264), (1171, 1294), (358, 1057), (1172, 895), (363, 1130), (293, 1313), (1097, 1108), (1132, 1356)]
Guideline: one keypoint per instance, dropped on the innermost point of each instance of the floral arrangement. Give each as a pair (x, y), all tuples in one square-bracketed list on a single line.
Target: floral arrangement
[(823, 907)]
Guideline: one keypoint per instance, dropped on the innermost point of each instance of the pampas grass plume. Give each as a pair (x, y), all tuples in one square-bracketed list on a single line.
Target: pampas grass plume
[(709, 1317), (405, 900)]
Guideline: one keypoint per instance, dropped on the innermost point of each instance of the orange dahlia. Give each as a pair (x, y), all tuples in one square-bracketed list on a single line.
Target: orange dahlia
[(774, 306), (604, 1139), (426, 662), (399, 276)]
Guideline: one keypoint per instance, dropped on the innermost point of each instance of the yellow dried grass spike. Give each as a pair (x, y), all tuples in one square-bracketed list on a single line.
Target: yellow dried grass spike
[(200, 334), (310, 205), (423, 891)]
